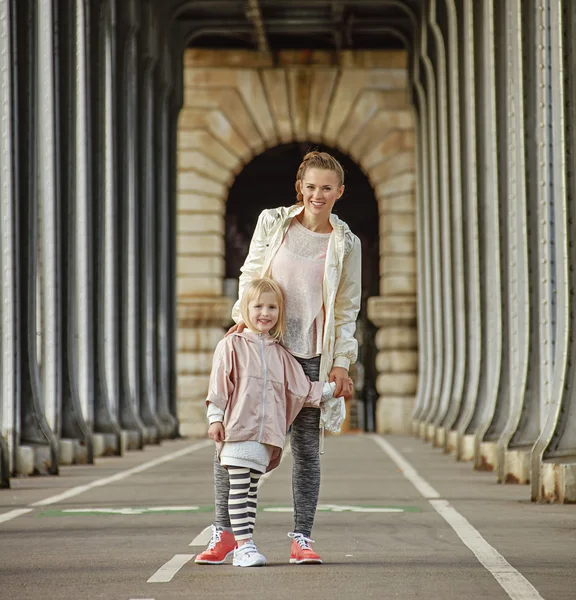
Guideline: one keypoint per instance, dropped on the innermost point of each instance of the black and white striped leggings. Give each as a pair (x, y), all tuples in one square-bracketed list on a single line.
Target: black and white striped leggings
[(243, 501), (305, 443)]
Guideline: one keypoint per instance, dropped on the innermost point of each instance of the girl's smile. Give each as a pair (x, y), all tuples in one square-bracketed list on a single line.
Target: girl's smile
[(263, 312)]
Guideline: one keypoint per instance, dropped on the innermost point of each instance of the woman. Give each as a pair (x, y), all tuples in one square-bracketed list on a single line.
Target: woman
[(316, 260)]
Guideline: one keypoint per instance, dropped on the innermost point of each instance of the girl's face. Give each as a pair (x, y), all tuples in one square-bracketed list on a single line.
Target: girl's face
[(320, 189), (263, 312)]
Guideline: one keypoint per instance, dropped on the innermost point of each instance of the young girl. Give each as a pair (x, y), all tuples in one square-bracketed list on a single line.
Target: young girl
[(257, 388)]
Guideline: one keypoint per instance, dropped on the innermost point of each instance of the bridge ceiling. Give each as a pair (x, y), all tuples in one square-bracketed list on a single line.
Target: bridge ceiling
[(311, 24)]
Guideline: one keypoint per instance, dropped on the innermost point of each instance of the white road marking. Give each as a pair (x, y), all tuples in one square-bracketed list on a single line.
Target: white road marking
[(80, 489), (513, 582), (206, 534), (14, 513), (139, 510), (203, 537), (338, 508), (166, 572)]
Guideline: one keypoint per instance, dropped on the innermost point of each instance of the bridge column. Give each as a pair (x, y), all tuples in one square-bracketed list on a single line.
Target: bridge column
[(9, 401)]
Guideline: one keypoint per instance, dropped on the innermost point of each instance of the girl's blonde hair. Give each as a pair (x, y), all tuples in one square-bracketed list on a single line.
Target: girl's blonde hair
[(317, 160), (253, 291)]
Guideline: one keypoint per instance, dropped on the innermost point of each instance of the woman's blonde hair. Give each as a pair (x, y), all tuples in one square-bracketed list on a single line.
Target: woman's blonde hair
[(253, 291), (317, 160)]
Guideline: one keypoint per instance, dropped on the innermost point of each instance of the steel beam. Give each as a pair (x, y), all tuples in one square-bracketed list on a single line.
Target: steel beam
[(106, 338), (9, 400), (490, 233), (438, 56), (472, 253), (128, 103), (447, 417)]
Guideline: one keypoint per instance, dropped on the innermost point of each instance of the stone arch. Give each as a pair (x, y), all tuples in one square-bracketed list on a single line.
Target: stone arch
[(236, 105)]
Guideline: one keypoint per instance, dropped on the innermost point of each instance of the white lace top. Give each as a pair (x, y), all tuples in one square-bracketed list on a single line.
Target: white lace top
[(298, 268)]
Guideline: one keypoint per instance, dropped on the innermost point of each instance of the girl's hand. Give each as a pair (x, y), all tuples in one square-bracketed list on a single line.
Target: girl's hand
[(238, 328), (216, 432), (343, 382)]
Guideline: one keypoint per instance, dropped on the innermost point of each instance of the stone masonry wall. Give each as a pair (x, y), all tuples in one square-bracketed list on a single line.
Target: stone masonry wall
[(236, 105)]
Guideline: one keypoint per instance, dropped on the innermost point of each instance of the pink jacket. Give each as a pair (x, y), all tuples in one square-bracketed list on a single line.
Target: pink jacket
[(261, 388)]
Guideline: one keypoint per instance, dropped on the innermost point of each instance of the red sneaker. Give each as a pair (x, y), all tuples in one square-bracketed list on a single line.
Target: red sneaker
[(220, 547), (301, 552)]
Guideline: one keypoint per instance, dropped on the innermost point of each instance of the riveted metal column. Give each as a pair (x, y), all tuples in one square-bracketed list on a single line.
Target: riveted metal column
[(448, 28), (49, 217), (424, 331), (554, 455), (129, 240), (106, 214), (38, 446), (435, 258), (164, 335), (523, 180), (438, 57), (145, 209), (78, 384), (471, 250), (9, 401), (425, 297), (174, 106), (481, 412), (494, 390)]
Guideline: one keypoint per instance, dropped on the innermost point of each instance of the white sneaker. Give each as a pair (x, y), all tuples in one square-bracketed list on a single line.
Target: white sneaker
[(247, 555)]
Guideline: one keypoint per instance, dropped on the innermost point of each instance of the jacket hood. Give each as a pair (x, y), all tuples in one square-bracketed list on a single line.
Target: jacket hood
[(249, 335)]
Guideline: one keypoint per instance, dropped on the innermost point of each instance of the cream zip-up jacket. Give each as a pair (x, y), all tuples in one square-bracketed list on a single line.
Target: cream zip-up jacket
[(342, 289), (261, 388)]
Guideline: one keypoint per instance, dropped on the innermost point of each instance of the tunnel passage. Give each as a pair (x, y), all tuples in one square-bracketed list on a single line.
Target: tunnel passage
[(268, 181)]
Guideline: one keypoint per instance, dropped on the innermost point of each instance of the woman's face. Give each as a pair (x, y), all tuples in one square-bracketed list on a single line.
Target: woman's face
[(320, 189)]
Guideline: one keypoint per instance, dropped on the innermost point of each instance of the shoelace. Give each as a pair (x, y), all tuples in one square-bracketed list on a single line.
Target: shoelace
[(216, 535), (303, 541)]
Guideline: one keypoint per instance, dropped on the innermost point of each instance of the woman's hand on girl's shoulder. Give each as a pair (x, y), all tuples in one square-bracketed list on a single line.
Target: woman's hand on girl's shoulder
[(237, 328)]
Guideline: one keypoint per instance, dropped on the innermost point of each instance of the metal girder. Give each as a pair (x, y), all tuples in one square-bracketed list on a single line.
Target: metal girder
[(9, 400), (254, 15)]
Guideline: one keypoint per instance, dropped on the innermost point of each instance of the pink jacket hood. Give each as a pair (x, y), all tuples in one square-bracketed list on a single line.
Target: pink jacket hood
[(261, 388)]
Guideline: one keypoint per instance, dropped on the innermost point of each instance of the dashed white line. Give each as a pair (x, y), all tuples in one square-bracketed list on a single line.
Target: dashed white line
[(167, 571), (80, 489), (14, 513), (513, 582)]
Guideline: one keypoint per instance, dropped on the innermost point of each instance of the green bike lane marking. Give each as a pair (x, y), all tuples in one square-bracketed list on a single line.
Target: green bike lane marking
[(166, 510)]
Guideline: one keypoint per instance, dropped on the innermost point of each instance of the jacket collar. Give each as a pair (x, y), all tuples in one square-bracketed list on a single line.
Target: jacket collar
[(335, 221), (256, 337)]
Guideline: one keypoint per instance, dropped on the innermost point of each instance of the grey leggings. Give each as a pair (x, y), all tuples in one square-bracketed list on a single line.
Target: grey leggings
[(304, 441)]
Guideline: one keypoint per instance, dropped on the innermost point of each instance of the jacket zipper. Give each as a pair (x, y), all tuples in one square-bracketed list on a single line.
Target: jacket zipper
[(263, 387)]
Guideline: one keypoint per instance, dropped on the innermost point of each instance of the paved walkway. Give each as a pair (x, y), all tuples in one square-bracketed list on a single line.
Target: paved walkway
[(397, 520)]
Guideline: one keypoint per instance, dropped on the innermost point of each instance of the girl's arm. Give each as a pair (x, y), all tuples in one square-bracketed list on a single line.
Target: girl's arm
[(221, 383), (214, 414), (253, 264), (215, 417)]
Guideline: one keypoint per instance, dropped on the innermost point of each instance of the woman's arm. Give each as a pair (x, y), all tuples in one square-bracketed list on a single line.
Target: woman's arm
[(346, 309)]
